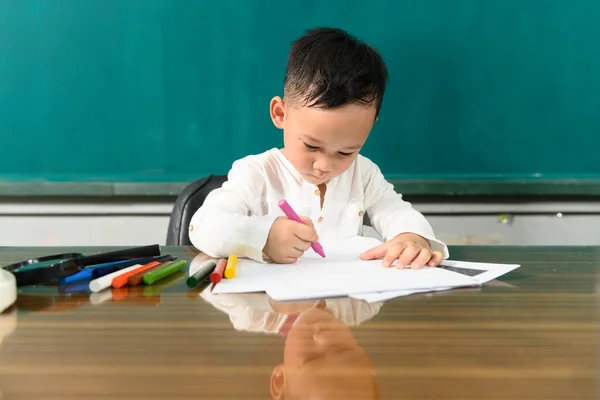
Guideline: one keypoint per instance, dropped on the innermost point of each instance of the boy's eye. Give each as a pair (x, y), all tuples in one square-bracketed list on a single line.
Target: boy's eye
[(312, 148), (344, 154)]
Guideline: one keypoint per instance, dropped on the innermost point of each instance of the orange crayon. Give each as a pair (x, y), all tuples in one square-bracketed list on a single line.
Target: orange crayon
[(121, 280), (136, 278)]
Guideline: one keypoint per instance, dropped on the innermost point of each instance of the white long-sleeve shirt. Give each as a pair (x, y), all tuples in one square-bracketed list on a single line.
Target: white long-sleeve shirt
[(237, 218)]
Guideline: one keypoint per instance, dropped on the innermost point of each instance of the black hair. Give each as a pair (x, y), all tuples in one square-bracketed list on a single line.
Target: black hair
[(328, 68)]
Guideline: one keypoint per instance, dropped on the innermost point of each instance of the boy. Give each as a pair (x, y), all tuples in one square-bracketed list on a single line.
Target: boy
[(333, 90)]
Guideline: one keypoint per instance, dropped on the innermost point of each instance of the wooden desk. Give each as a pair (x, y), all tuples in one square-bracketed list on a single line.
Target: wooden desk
[(534, 336)]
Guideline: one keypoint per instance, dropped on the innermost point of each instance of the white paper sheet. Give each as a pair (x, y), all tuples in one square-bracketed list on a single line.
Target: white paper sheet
[(341, 273), (348, 278), (488, 273), (252, 276)]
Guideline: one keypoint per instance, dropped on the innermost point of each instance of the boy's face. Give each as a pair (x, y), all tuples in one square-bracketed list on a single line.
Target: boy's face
[(322, 143)]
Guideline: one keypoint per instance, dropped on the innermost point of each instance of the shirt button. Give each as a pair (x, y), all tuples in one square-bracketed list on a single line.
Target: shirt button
[(191, 227), (317, 192), (320, 219), (360, 213)]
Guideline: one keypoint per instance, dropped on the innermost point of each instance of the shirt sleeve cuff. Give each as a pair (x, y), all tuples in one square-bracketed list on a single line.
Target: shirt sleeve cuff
[(257, 238), (438, 245)]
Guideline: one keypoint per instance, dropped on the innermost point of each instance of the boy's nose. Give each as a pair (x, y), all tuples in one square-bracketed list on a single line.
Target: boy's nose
[(324, 165)]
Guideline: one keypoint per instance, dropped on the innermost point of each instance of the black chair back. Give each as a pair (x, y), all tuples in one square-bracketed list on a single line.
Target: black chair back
[(188, 201)]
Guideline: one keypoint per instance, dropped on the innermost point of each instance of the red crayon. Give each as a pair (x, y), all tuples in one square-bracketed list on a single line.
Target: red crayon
[(217, 274)]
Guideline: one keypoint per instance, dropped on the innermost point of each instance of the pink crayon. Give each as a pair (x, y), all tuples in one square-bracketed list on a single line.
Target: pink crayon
[(291, 214)]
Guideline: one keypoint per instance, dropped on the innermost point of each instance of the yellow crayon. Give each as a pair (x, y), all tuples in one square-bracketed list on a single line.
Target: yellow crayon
[(230, 268)]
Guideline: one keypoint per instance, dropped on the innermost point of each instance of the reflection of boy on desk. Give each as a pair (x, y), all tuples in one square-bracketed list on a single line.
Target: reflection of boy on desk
[(8, 323), (322, 360), (321, 357), (256, 312)]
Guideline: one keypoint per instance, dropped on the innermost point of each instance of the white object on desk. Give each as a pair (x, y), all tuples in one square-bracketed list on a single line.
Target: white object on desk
[(104, 282), (488, 273), (342, 273), (8, 289), (361, 277)]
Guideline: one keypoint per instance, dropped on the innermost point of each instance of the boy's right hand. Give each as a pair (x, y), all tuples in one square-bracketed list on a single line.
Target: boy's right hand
[(288, 239)]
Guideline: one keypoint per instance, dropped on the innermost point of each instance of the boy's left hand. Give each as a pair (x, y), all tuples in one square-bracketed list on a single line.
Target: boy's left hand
[(408, 249)]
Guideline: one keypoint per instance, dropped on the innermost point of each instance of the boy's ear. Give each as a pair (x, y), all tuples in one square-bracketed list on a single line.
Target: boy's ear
[(277, 112), (277, 382)]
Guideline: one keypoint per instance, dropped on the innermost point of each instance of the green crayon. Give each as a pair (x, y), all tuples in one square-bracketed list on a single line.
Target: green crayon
[(164, 271)]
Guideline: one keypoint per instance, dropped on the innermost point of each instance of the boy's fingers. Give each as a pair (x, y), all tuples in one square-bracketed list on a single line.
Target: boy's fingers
[(295, 253), (374, 253), (307, 221), (422, 258), (407, 256), (301, 245), (393, 252), (304, 232), (436, 259)]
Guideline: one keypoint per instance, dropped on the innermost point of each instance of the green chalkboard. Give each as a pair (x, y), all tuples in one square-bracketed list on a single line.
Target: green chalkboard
[(171, 90)]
